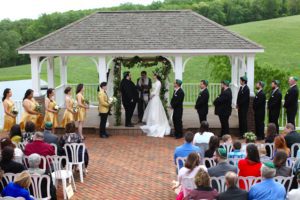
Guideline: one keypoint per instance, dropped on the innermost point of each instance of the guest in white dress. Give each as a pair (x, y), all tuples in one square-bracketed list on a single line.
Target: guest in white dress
[(157, 124), (204, 135)]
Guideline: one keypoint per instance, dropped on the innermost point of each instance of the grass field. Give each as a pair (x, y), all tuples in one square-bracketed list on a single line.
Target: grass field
[(279, 37)]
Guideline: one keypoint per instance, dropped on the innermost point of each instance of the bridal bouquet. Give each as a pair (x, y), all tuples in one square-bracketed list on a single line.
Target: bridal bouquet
[(56, 107), (86, 101), (112, 100), (75, 107), (14, 111), (38, 108)]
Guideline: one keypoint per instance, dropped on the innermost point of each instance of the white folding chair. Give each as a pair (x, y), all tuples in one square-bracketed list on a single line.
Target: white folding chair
[(36, 186), (285, 181), (75, 156), (9, 177), (234, 161), (290, 162), (249, 181), (228, 148), (209, 162), (294, 149), (55, 147), (187, 184), (219, 182), (12, 198), (270, 146), (43, 162), (180, 160), (59, 172), (264, 159)]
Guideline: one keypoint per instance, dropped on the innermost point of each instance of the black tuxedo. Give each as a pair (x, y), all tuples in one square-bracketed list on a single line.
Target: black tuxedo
[(223, 109), (129, 98), (242, 103), (177, 105), (291, 103), (144, 93), (274, 106), (202, 105), (259, 108)]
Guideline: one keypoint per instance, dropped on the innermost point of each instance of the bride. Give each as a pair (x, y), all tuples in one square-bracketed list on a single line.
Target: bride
[(157, 124)]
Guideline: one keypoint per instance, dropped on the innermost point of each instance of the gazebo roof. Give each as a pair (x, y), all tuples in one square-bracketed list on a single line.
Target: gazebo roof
[(142, 31)]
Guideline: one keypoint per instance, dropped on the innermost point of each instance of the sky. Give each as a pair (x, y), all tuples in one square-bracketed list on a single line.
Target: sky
[(18, 9)]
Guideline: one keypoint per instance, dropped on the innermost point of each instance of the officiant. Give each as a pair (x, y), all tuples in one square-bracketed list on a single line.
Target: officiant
[(144, 86)]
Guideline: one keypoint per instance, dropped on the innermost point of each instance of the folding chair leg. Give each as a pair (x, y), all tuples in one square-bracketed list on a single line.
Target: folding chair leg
[(81, 173), (72, 177), (64, 183)]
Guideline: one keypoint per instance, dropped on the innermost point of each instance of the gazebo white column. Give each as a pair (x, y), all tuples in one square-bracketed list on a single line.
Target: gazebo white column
[(234, 79), (102, 69), (35, 75), (50, 72), (178, 68), (250, 73), (63, 70)]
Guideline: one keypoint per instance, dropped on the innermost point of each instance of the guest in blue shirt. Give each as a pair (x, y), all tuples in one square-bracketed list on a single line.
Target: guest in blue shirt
[(18, 188), (236, 153), (268, 189), (185, 149)]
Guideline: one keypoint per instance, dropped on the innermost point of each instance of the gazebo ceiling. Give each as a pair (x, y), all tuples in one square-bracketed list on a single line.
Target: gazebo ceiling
[(145, 31)]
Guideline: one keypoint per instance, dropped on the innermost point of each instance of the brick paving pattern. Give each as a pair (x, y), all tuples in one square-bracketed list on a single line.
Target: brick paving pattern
[(128, 167)]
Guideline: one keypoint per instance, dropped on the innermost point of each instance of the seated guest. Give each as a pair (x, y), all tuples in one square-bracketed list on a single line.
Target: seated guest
[(250, 137), (49, 137), (213, 144), (204, 135), (71, 136), (280, 144), (39, 146), (19, 188), (294, 194), (222, 165), (34, 161), (270, 136), (250, 166), (291, 136), (280, 162), (236, 153), (29, 132), (204, 190), (268, 188), (232, 192), (7, 164), (4, 142), (185, 149), (190, 169), (227, 140), (15, 134)]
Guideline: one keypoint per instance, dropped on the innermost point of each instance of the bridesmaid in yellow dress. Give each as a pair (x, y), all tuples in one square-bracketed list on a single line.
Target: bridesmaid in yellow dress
[(30, 113), (9, 116), (51, 113), (69, 112), (82, 107)]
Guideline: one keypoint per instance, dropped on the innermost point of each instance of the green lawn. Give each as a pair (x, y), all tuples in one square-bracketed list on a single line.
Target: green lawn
[(279, 37)]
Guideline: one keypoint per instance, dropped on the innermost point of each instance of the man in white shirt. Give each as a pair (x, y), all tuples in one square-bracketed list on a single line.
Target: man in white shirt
[(295, 193)]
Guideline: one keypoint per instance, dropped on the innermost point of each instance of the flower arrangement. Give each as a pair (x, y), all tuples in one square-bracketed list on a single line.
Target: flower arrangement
[(75, 109), (57, 107), (112, 100), (250, 137), (14, 111), (38, 108)]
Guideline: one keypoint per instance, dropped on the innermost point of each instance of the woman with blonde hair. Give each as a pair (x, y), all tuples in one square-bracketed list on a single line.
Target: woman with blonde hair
[(19, 187), (204, 189), (9, 113)]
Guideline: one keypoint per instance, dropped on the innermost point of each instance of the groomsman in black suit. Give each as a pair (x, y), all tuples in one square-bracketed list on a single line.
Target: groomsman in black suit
[(129, 97), (259, 108), (242, 104), (274, 104), (291, 100), (177, 106), (223, 106), (202, 101)]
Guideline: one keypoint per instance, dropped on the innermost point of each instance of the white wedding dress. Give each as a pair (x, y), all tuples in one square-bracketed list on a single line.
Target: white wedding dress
[(157, 124)]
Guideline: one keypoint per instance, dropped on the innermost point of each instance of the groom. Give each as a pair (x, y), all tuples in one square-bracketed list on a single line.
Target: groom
[(177, 106), (129, 97)]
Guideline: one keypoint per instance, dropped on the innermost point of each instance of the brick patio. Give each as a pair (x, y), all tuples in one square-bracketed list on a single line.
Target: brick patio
[(128, 167)]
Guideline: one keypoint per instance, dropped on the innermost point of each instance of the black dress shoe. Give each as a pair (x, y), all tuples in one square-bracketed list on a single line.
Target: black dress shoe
[(178, 137), (129, 125), (103, 136)]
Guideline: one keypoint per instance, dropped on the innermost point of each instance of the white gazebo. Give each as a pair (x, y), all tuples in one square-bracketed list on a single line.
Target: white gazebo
[(175, 35)]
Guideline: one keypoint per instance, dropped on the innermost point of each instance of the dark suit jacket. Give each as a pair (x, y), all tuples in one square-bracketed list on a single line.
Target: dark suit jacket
[(274, 103), (292, 138), (129, 91), (202, 102), (140, 88), (233, 193), (243, 97), (177, 99), (221, 169), (223, 103), (50, 138), (291, 99), (259, 103)]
